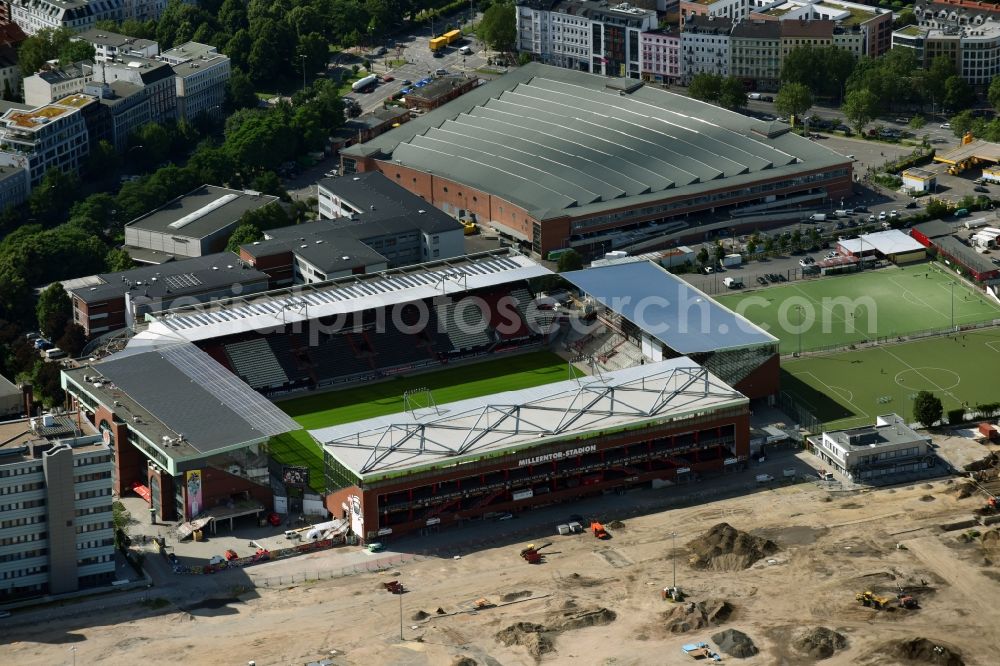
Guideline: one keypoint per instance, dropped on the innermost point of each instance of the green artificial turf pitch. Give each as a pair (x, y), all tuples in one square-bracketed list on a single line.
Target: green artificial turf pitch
[(844, 310), (321, 410), (851, 388)]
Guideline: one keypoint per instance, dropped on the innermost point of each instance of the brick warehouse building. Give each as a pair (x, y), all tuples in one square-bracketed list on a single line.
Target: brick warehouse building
[(557, 158), (669, 421)]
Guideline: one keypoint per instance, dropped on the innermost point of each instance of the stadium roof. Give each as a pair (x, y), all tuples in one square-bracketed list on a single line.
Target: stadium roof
[(504, 423), (887, 243), (668, 308), (201, 212), (557, 141), (278, 308), (182, 400)]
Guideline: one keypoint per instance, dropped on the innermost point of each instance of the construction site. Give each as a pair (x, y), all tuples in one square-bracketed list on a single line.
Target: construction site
[(798, 572)]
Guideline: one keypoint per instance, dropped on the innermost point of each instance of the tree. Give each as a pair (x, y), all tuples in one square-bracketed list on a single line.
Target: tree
[(73, 340), (51, 199), (705, 87), (121, 519), (118, 260), (75, 51), (860, 108), (240, 93), (794, 99), (905, 18), (702, 256), (917, 122), (769, 245), (498, 27), (732, 95), (570, 260), (312, 51), (993, 95), (46, 44), (936, 209), (54, 310), (958, 94), (751, 247), (243, 234), (103, 160), (927, 409), (942, 68)]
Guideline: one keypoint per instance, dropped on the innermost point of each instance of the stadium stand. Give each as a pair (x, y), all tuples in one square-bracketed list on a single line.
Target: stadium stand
[(254, 362), (464, 324)]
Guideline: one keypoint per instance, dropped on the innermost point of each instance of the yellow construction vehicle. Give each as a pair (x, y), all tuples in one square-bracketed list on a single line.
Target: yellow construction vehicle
[(872, 600)]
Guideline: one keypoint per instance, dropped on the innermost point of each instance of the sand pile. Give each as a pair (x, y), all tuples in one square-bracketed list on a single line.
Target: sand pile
[(462, 660), (528, 635), (991, 542), (420, 615), (691, 616), (616, 525), (924, 651), (582, 619), (818, 642), (990, 461), (725, 548), (514, 596), (735, 643)]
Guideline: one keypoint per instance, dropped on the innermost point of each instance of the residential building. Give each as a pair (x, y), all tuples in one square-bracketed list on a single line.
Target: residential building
[(755, 54), (49, 85), (440, 91), (201, 75), (734, 10), (53, 136), (13, 186), (942, 14), (879, 453), (661, 55), (861, 29), (56, 528), (126, 109), (194, 224), (588, 35), (113, 301), (796, 34), (155, 77), (75, 15), (110, 45), (973, 47), (705, 46)]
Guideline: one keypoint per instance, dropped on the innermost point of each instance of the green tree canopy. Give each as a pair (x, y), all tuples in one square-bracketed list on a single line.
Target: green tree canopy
[(958, 94), (51, 44), (53, 311), (51, 199), (243, 234), (732, 95), (118, 260), (570, 260), (498, 28), (860, 108), (794, 99), (706, 87), (73, 340), (927, 408)]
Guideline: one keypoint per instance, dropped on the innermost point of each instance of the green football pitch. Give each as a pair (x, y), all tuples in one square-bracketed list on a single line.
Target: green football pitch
[(882, 304), (322, 410), (851, 388)]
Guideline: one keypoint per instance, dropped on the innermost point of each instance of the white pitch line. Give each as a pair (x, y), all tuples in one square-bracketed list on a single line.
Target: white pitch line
[(926, 378), (830, 388)]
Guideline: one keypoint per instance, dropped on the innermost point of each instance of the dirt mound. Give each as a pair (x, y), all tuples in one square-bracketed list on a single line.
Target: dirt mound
[(725, 548), (924, 651), (513, 596), (691, 616), (616, 525), (582, 619), (991, 540), (420, 615), (528, 635), (992, 460), (735, 643), (927, 498), (819, 642), (462, 660), (962, 490), (582, 581)]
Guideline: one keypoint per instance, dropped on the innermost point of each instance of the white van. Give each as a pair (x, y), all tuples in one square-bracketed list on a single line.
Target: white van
[(465, 50), (842, 213), (54, 353), (818, 217), (753, 96)]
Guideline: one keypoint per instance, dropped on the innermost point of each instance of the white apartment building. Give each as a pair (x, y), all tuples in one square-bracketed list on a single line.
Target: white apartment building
[(56, 528), (53, 136), (734, 10), (109, 45), (49, 85), (201, 74), (155, 77), (76, 15), (705, 46), (589, 35)]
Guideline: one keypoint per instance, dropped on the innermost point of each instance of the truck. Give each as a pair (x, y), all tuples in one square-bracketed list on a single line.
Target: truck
[(733, 283), (364, 83), (438, 43), (818, 217), (732, 260), (973, 224), (452, 36), (764, 478)]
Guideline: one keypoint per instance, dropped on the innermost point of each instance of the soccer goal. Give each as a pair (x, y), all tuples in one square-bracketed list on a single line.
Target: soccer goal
[(419, 399)]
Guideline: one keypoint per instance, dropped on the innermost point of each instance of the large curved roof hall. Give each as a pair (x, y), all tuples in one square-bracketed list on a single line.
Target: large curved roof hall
[(551, 139)]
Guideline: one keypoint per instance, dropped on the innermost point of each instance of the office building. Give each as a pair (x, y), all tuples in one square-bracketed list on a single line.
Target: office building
[(156, 78), (201, 75), (53, 136), (111, 45), (48, 85), (879, 453)]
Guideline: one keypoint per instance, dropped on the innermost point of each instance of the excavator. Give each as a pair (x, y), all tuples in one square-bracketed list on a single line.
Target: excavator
[(532, 555)]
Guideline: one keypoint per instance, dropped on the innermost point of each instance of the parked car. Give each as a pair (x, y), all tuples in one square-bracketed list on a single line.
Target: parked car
[(861, 209), (945, 125), (881, 216), (980, 188), (893, 214), (761, 281), (387, 78), (912, 205), (217, 559), (441, 71), (274, 519), (782, 278), (407, 82), (871, 218)]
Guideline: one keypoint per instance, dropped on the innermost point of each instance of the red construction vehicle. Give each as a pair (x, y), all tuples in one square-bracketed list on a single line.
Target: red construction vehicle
[(532, 555), (599, 530), (394, 587)]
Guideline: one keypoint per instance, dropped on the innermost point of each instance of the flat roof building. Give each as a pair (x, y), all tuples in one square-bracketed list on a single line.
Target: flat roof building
[(201, 74), (56, 527), (109, 45), (879, 453), (892, 244), (113, 301), (53, 136), (197, 223), (553, 157)]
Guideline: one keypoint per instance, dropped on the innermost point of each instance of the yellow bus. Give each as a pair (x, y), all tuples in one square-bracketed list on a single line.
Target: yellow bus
[(438, 43), (452, 36)]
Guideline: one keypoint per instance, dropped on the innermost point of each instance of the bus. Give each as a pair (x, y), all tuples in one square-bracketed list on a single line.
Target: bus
[(452, 36), (438, 43)]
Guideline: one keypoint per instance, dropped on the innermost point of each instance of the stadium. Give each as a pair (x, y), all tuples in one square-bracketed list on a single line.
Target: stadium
[(432, 394)]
